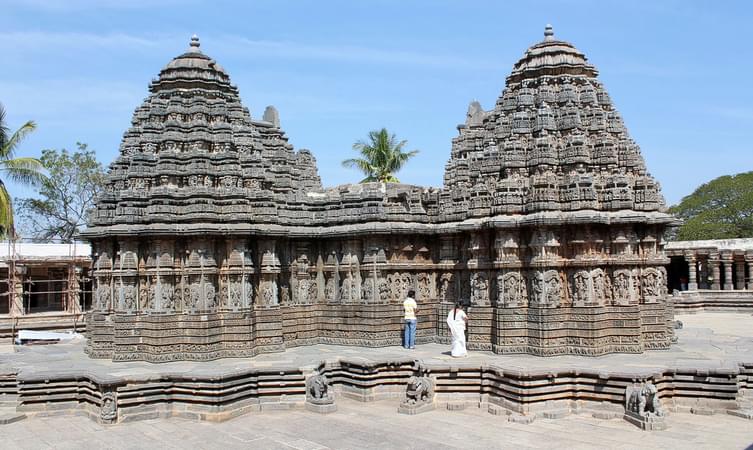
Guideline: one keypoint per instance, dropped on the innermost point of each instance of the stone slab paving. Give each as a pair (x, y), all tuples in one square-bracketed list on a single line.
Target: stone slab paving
[(376, 425), (707, 340)]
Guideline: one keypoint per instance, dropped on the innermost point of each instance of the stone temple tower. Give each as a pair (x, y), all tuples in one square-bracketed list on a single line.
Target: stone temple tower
[(214, 237)]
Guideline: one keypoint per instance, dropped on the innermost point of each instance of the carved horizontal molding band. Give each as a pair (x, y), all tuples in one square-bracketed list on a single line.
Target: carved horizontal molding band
[(342, 230)]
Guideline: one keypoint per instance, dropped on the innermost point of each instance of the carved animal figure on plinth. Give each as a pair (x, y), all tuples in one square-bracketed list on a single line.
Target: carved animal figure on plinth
[(646, 401), (318, 390), (643, 408), (420, 390)]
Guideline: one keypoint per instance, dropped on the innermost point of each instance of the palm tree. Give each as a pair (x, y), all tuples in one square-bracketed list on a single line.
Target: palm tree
[(381, 157), (24, 170)]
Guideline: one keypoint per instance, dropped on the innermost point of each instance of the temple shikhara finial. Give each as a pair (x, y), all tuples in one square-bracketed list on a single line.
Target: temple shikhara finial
[(195, 44), (548, 32)]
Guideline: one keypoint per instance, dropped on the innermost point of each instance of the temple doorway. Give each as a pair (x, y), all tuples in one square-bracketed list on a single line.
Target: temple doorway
[(677, 274)]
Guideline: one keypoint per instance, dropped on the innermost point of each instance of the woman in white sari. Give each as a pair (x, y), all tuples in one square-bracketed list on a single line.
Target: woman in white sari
[(456, 319)]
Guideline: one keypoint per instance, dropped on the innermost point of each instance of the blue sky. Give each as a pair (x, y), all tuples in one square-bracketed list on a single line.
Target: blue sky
[(679, 71)]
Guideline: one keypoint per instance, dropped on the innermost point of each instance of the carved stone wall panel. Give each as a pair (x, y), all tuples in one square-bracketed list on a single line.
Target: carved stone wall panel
[(512, 290)]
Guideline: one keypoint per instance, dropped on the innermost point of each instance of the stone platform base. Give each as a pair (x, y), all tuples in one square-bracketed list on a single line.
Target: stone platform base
[(646, 423), (61, 379), (221, 393), (415, 409), (714, 300), (541, 331), (321, 409), (49, 321)]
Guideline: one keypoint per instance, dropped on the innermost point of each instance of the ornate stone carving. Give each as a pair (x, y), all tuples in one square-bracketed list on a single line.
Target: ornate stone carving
[(102, 296), (367, 290), (319, 396), (268, 293), (424, 282), (419, 395), (447, 287), (512, 290), (643, 407), (479, 289), (546, 288), (127, 297), (330, 290), (650, 284), (108, 412), (318, 390), (623, 287), (582, 291), (602, 287)]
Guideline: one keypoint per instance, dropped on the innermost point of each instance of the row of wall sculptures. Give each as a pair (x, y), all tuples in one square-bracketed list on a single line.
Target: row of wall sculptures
[(211, 275), (215, 238)]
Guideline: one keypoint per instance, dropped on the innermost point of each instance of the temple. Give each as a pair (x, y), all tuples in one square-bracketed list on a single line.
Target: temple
[(215, 238)]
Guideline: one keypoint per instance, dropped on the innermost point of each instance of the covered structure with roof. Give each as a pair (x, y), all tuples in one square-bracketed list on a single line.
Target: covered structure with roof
[(44, 286)]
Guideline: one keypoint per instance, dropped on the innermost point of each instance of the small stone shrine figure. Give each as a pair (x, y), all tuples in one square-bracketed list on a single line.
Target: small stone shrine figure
[(109, 410)]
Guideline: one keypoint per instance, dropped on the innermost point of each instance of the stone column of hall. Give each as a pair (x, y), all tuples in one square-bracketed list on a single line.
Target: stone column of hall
[(17, 294), (749, 262), (690, 258), (727, 261), (740, 274), (73, 293), (715, 275)]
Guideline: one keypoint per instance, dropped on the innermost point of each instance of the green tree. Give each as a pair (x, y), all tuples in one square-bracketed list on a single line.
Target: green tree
[(719, 209), (24, 170), (381, 157), (66, 197)]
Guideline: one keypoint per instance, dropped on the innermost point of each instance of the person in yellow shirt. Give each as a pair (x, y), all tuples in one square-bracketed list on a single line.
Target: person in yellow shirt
[(411, 308)]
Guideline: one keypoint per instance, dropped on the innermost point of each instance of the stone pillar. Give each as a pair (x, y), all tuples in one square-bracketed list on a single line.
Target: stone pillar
[(714, 265), (740, 274), (17, 294), (727, 261), (749, 262), (73, 304), (270, 269), (690, 258)]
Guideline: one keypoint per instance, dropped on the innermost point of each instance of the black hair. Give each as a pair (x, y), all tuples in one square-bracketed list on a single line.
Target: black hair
[(411, 293), (458, 305)]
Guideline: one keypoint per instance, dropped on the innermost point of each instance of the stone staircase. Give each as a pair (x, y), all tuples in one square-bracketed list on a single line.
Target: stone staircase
[(9, 400), (745, 402)]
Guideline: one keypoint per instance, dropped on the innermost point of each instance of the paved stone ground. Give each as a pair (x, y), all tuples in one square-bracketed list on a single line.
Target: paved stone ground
[(377, 425), (707, 340)]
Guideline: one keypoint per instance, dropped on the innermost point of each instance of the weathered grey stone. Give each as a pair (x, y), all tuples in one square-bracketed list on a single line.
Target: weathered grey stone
[(643, 407), (214, 238)]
